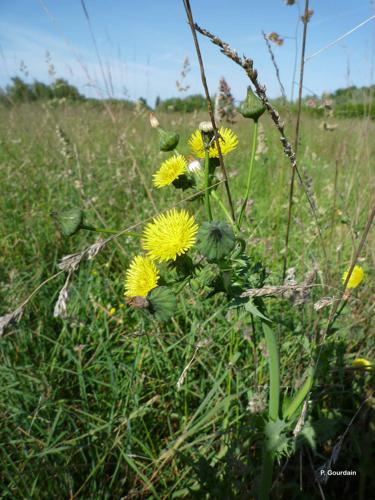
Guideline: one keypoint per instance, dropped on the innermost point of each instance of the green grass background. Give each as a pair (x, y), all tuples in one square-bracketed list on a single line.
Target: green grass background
[(89, 405)]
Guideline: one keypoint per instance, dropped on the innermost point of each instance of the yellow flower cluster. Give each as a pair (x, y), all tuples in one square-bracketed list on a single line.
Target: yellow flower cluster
[(141, 277), (171, 234), (165, 238), (227, 139), (169, 171)]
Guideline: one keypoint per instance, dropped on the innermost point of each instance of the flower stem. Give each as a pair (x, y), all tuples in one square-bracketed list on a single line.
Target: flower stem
[(250, 171), (207, 185), (223, 208), (273, 410), (106, 230)]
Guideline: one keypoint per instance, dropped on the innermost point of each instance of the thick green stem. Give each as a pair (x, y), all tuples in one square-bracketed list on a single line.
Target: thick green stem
[(273, 410), (274, 368), (223, 208), (207, 184), (250, 171), (268, 460)]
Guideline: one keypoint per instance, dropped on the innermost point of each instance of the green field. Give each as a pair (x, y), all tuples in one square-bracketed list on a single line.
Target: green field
[(89, 404)]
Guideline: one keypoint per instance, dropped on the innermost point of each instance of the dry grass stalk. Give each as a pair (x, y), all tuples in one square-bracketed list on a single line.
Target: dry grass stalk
[(9, 318), (291, 290), (193, 27), (267, 40), (61, 310), (324, 302)]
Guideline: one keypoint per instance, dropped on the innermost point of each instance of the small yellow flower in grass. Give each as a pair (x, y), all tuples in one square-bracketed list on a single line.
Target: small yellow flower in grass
[(228, 142), (112, 311), (356, 277), (170, 235), (361, 363), (169, 171), (141, 277)]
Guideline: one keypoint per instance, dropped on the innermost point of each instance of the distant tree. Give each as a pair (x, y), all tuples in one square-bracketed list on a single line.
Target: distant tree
[(19, 91), (41, 91), (61, 88), (157, 102), (185, 105)]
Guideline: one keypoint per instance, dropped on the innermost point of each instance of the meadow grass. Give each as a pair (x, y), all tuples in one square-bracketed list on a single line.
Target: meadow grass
[(89, 405)]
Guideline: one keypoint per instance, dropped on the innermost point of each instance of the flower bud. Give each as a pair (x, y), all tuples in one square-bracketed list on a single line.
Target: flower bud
[(207, 132), (69, 220), (167, 140), (215, 240), (154, 122), (162, 303), (252, 106)]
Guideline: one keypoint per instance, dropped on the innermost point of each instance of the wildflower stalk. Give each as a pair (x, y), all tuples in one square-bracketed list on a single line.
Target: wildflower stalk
[(250, 172), (207, 184), (273, 410), (105, 230), (224, 209)]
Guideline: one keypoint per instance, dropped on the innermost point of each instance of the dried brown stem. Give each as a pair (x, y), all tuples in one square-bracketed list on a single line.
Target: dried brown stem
[(193, 27), (291, 188), (275, 66)]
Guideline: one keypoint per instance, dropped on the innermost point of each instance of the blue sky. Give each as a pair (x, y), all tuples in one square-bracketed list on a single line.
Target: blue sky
[(142, 45)]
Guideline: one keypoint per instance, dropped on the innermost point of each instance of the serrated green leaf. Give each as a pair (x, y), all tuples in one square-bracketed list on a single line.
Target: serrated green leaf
[(252, 308)]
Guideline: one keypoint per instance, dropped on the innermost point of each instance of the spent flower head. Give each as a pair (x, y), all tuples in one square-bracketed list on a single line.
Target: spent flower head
[(355, 278), (227, 139), (169, 171), (170, 235), (141, 277)]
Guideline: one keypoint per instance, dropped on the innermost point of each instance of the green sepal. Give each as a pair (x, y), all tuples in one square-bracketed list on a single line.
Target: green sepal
[(183, 182), (183, 265), (69, 220), (167, 140), (216, 240), (162, 303), (252, 106)]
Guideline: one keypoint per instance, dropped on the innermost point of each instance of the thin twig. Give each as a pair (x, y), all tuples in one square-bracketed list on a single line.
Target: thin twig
[(352, 265), (247, 64), (291, 188), (209, 104), (341, 37), (275, 66)]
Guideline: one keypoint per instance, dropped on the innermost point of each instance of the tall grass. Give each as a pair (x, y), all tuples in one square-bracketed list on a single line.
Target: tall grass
[(90, 405)]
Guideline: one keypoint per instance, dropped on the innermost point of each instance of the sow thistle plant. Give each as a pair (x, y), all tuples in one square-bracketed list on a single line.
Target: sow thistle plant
[(208, 253)]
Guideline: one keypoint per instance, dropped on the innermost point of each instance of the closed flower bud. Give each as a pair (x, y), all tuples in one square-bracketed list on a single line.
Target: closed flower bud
[(215, 240), (207, 132), (252, 106), (69, 220), (167, 140), (154, 122), (162, 303)]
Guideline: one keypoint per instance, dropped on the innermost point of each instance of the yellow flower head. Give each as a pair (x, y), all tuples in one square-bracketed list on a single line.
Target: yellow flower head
[(170, 235), (141, 277), (356, 277), (228, 141), (169, 171), (361, 363)]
